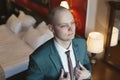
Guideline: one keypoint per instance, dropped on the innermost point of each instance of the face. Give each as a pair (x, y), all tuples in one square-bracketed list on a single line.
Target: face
[(64, 26)]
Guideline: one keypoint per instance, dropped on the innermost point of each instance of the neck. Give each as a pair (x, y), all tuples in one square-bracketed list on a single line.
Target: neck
[(65, 44)]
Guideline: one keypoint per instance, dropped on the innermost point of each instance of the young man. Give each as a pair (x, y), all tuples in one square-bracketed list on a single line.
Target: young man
[(49, 61)]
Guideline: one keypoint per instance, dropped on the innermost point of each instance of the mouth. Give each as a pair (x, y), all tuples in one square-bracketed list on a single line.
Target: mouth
[(70, 34)]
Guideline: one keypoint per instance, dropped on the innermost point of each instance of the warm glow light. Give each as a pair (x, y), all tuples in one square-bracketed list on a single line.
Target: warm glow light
[(95, 42), (64, 4), (114, 37)]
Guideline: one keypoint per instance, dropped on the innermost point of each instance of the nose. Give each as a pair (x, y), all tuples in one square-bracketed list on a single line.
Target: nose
[(69, 27)]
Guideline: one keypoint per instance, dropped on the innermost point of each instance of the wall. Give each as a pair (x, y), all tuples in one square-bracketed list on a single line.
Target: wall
[(102, 17), (3, 11), (91, 16), (97, 16), (79, 8)]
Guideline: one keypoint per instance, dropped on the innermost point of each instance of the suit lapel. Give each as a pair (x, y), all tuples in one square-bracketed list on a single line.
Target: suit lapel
[(55, 57), (76, 51)]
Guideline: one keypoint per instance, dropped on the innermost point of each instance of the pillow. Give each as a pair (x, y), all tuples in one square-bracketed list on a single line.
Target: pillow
[(34, 38), (43, 28), (42, 39), (21, 13), (14, 24), (31, 36), (26, 20)]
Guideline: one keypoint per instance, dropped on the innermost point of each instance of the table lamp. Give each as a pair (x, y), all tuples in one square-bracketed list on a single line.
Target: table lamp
[(95, 43)]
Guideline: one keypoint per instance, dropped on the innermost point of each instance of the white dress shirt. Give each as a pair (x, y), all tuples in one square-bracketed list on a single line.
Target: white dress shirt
[(63, 56)]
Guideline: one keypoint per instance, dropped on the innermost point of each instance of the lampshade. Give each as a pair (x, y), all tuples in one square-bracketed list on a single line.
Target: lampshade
[(114, 37), (95, 42), (64, 4)]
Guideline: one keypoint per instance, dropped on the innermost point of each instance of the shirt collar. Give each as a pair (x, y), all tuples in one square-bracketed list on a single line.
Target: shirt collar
[(58, 46)]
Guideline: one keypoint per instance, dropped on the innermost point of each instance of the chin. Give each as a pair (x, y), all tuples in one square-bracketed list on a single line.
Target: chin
[(72, 38)]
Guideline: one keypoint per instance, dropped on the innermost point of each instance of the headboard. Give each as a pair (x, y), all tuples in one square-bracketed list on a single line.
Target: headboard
[(15, 8)]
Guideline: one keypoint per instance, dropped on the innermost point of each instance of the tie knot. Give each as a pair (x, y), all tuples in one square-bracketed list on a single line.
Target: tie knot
[(68, 53)]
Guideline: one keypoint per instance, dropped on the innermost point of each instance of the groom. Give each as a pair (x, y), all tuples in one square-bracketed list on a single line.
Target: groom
[(49, 61)]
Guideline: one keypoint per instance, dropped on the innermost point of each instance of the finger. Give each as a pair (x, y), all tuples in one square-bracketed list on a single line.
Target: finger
[(78, 71), (83, 68), (62, 73), (68, 75)]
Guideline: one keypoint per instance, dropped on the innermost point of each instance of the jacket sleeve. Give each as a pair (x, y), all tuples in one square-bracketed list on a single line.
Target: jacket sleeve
[(86, 60), (33, 72)]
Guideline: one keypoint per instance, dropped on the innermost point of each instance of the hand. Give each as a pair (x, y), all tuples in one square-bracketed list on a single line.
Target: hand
[(83, 73), (62, 75)]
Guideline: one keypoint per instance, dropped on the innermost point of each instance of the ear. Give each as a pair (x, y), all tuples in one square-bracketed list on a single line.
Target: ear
[(51, 28)]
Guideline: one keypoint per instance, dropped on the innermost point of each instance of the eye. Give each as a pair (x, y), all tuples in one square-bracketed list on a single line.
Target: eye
[(72, 23)]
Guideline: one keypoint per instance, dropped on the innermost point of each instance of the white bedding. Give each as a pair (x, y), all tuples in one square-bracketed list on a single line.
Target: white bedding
[(14, 52), (18, 41)]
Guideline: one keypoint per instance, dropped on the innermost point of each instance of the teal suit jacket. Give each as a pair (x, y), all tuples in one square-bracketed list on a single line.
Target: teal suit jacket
[(45, 63)]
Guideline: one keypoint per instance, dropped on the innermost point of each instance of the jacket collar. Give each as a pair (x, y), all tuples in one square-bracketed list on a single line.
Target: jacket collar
[(55, 57), (76, 50)]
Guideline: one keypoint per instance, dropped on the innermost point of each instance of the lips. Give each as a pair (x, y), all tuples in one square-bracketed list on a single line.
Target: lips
[(70, 34)]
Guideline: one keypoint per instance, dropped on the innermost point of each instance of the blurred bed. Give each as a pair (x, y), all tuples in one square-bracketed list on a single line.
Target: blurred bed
[(13, 52), (18, 39)]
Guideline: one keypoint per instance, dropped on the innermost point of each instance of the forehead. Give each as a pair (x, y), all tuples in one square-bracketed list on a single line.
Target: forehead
[(63, 17)]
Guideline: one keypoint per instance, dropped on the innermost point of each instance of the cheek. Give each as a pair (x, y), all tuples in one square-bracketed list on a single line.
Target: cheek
[(61, 32), (74, 27)]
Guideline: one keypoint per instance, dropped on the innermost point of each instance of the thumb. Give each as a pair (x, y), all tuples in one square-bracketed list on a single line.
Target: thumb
[(81, 66), (62, 73), (68, 75)]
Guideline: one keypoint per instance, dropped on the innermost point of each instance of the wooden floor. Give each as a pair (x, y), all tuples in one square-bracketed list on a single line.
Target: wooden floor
[(103, 71)]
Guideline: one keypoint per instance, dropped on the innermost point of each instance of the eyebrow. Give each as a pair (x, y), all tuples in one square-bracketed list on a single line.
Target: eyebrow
[(64, 23)]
